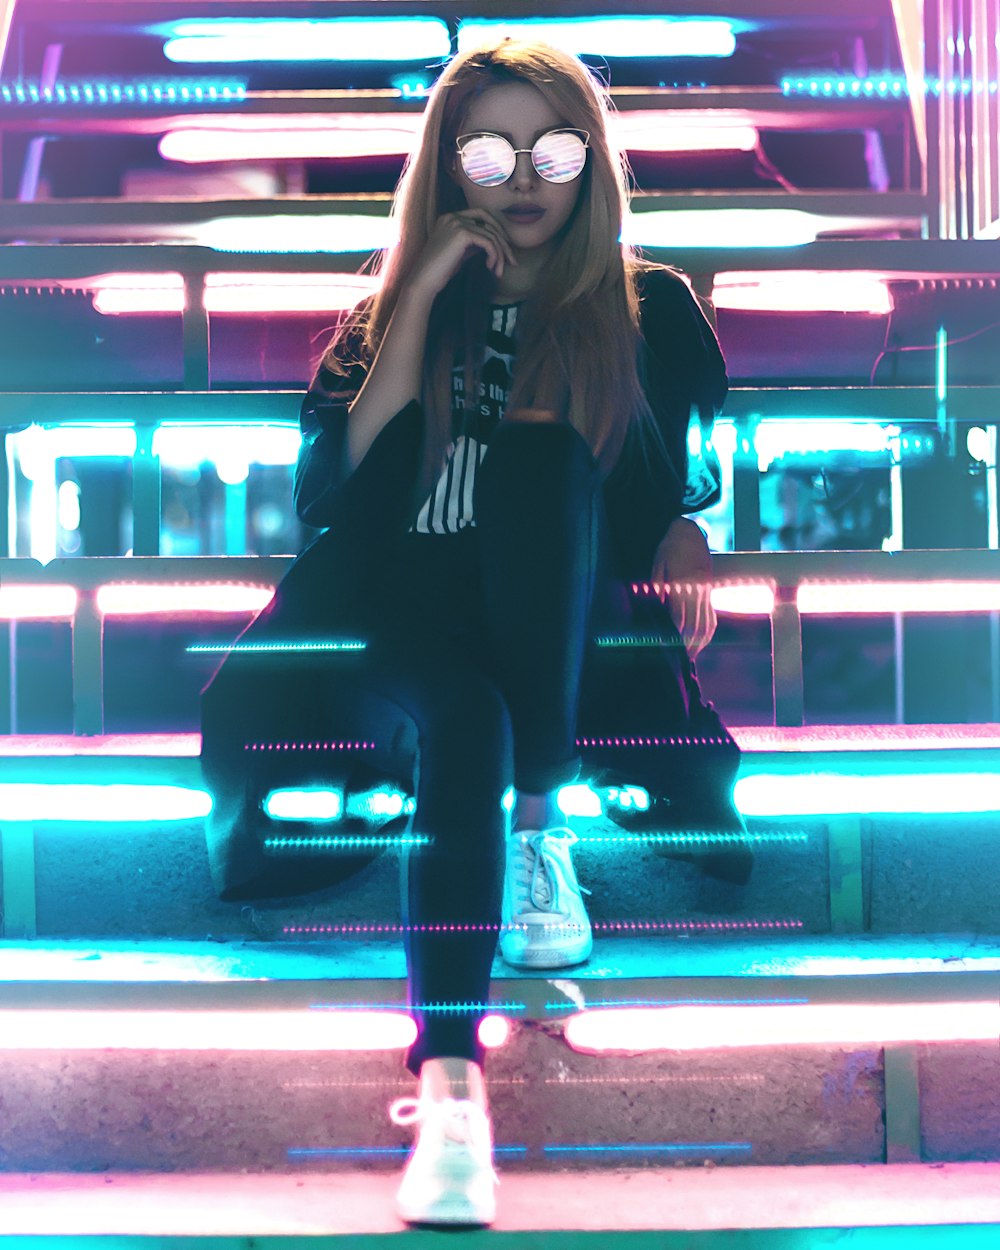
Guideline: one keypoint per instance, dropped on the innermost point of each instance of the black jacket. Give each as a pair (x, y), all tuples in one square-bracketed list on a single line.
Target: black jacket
[(683, 373)]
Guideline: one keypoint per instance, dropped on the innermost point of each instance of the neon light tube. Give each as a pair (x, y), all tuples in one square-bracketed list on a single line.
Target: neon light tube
[(812, 1024), (819, 437), (723, 227), (802, 291), (39, 1029), (337, 39), (189, 446), (611, 36), (239, 293), (192, 600), (109, 91), (660, 130), (831, 598), (743, 600), (37, 603), (794, 738), (27, 801), (332, 136), (845, 793), (318, 804)]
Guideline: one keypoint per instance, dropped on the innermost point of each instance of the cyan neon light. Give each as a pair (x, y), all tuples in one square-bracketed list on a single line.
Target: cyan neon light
[(711, 1028), (42, 1029), (456, 1007), (37, 603), (775, 439), (941, 364), (882, 86), (181, 446), (410, 85), (336, 39), (33, 801), (867, 793), (695, 838), (304, 804), (642, 1148), (38, 448), (392, 1152), (341, 843), (877, 598), (110, 91), (380, 805), (156, 600), (584, 800), (611, 36), (633, 640)]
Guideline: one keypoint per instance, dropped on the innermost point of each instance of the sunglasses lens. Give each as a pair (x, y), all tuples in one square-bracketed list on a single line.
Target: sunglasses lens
[(559, 157), (488, 160)]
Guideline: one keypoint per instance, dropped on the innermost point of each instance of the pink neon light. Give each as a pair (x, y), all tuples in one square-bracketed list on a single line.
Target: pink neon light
[(749, 599), (660, 130), (609, 926), (151, 745), (835, 599), (138, 600), (864, 737), (802, 291), (37, 603), (494, 1031), (831, 1024), (41, 1029), (291, 137), (115, 294)]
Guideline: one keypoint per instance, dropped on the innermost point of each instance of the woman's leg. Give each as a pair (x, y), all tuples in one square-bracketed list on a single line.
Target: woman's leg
[(536, 513)]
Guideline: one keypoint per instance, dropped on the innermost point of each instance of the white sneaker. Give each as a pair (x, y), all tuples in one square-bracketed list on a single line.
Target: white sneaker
[(542, 900), (449, 1178)]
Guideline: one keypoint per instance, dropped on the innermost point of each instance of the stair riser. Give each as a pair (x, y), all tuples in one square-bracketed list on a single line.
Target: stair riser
[(90, 1111)]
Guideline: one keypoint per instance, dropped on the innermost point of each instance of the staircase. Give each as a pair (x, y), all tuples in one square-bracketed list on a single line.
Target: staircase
[(809, 1058)]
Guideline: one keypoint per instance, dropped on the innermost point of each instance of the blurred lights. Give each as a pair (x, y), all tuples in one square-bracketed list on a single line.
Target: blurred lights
[(336, 39), (611, 36), (803, 291), (115, 294), (723, 227), (187, 446), (107, 91), (739, 1025), (326, 136), (844, 793), (881, 86), (304, 804), (34, 802)]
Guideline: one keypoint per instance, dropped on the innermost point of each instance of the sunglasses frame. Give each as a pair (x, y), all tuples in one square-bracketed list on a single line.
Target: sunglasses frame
[(556, 130)]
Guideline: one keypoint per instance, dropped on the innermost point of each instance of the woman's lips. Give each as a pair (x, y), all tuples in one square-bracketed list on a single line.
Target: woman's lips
[(516, 214)]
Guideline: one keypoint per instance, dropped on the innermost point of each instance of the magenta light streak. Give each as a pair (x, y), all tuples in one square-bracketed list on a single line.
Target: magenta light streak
[(836, 598), (819, 1024), (748, 599), (799, 738), (193, 600)]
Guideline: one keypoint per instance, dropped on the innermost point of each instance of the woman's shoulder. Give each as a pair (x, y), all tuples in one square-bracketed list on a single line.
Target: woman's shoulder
[(663, 291)]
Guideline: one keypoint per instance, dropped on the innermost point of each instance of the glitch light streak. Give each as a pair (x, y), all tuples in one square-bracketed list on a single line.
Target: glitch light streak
[(814, 1024), (837, 598), (611, 36), (193, 600), (37, 603), (229, 40)]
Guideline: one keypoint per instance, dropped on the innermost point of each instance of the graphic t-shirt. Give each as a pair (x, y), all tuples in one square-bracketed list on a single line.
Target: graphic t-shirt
[(448, 508)]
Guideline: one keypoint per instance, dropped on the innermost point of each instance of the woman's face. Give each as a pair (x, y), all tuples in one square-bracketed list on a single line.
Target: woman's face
[(521, 114)]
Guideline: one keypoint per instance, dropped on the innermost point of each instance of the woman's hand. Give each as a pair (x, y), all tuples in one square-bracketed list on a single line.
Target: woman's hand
[(682, 570), (456, 237)]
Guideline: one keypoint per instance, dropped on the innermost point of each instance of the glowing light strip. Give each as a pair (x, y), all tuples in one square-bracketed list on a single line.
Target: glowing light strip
[(658, 130), (611, 36), (723, 227), (815, 1024), (250, 648), (300, 39), (842, 792), (609, 926), (304, 804), (109, 91), (700, 1147), (339, 844), (41, 1029), (115, 294), (138, 600), (834, 598), (745, 599), (37, 603), (797, 738), (884, 86), (188, 446), (26, 801), (802, 291)]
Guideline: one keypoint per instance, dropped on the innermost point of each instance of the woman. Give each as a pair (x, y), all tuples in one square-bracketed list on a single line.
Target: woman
[(496, 444)]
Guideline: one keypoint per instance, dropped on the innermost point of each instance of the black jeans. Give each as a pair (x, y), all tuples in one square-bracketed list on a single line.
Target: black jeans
[(480, 638)]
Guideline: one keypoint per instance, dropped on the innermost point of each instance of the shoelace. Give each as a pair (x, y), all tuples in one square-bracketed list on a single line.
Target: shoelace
[(457, 1113), (536, 874)]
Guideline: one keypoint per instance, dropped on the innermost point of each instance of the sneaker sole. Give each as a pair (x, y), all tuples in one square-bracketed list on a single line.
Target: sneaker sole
[(448, 1211), (549, 959)]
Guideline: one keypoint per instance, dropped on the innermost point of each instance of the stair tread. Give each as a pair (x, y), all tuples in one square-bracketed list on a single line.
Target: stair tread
[(293, 1203)]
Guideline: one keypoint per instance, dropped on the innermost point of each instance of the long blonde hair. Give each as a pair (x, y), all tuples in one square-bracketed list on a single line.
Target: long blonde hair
[(578, 332)]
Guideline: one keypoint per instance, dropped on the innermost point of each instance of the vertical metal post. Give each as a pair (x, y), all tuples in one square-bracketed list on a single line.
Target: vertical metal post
[(786, 652), (17, 853), (146, 489), (88, 665), (903, 1142), (847, 907), (195, 333), (746, 487)]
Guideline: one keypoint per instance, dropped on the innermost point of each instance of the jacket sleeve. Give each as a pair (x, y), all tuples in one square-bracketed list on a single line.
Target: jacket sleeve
[(686, 383)]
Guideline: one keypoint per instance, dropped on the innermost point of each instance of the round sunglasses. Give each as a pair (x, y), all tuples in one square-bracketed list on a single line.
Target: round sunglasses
[(489, 160)]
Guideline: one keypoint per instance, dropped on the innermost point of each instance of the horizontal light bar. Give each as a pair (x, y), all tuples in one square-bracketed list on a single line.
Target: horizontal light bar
[(660, 130), (723, 227), (795, 738), (802, 291), (291, 137), (845, 793), (245, 293), (113, 91), (38, 447), (300, 39), (833, 598), (37, 603), (611, 36), (743, 600), (40, 1029), (882, 86), (812, 1024), (318, 804), (187, 446), (152, 600), (29, 801)]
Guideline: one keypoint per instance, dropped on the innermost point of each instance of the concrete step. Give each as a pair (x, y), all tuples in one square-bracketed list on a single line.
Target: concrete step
[(181, 1057), (953, 1206)]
